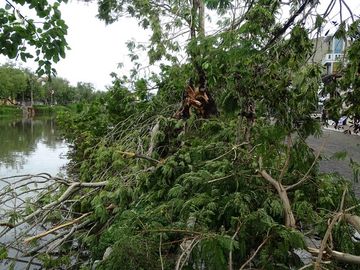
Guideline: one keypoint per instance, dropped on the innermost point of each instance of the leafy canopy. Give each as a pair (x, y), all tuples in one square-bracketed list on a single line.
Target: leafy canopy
[(40, 36)]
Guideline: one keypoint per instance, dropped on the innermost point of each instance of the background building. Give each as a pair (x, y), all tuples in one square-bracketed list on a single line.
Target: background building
[(330, 52)]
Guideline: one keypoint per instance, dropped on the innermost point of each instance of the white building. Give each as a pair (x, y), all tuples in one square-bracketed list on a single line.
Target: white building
[(330, 52)]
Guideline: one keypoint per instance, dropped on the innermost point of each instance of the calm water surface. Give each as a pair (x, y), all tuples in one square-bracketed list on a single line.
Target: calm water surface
[(29, 146)]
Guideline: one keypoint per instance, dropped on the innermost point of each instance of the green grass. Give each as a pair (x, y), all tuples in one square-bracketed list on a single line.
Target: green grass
[(10, 110), (46, 109)]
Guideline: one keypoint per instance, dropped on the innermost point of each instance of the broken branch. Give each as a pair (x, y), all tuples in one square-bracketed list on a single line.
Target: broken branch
[(289, 216), (41, 235)]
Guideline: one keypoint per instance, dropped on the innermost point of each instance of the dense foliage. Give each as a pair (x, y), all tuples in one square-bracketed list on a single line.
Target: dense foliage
[(21, 34), (241, 189), (18, 86)]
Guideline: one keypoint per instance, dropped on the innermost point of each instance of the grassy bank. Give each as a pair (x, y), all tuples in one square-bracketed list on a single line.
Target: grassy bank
[(46, 110), (10, 110)]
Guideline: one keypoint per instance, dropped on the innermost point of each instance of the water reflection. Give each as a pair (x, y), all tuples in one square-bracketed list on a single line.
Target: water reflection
[(30, 146)]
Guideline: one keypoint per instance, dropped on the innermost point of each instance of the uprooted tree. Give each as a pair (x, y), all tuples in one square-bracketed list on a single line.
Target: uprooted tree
[(236, 189)]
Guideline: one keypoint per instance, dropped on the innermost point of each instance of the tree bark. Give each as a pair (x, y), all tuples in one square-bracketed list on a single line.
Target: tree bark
[(193, 19), (201, 18), (289, 216)]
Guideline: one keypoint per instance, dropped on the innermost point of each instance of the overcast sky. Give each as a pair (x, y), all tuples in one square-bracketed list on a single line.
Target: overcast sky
[(96, 49)]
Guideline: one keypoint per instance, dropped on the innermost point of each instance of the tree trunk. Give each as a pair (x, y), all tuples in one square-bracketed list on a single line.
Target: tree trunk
[(201, 18), (193, 19), (31, 97)]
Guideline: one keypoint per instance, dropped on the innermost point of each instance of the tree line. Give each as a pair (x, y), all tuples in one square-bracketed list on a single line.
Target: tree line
[(22, 86)]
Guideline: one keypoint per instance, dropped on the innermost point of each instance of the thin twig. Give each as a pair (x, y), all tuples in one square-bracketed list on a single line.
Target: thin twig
[(306, 266), (256, 252), (24, 261), (347, 7), (230, 252), (287, 24), (27, 240), (136, 155), (161, 259), (286, 164), (220, 178), (287, 188)]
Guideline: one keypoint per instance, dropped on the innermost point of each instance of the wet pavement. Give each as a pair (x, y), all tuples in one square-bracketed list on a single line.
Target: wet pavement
[(336, 141)]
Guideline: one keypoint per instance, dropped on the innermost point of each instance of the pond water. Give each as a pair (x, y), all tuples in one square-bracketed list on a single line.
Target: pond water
[(31, 146), (28, 146)]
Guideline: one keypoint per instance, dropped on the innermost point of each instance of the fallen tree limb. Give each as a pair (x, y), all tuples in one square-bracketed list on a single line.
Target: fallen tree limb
[(305, 177), (289, 216), (353, 220), (328, 232), (255, 253), (136, 155), (337, 255), (345, 257), (7, 224), (73, 187), (27, 240), (325, 240)]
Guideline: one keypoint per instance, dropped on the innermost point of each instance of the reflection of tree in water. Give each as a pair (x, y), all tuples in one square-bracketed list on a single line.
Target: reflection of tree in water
[(51, 137), (19, 139)]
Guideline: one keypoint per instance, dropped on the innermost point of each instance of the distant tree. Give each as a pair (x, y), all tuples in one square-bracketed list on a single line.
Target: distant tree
[(84, 92), (13, 82), (59, 91)]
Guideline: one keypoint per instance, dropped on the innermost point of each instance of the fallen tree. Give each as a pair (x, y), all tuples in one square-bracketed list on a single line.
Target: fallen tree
[(233, 185)]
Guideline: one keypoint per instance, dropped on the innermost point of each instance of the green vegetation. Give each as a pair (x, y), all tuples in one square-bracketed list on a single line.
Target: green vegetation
[(44, 33), (44, 109), (19, 86), (10, 110), (211, 172)]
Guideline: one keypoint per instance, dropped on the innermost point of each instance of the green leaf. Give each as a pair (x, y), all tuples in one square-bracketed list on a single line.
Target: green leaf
[(3, 253), (355, 166), (339, 155)]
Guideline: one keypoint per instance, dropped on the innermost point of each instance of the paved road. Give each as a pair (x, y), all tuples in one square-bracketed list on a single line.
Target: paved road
[(336, 142)]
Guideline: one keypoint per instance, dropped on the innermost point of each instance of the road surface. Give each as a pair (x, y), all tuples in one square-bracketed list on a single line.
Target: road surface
[(336, 141)]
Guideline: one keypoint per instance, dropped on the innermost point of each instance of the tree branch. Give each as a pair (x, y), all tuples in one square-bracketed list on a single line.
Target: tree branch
[(337, 255), (255, 253), (230, 252), (304, 178), (286, 164), (289, 216), (328, 232), (136, 155), (41, 235), (287, 24)]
